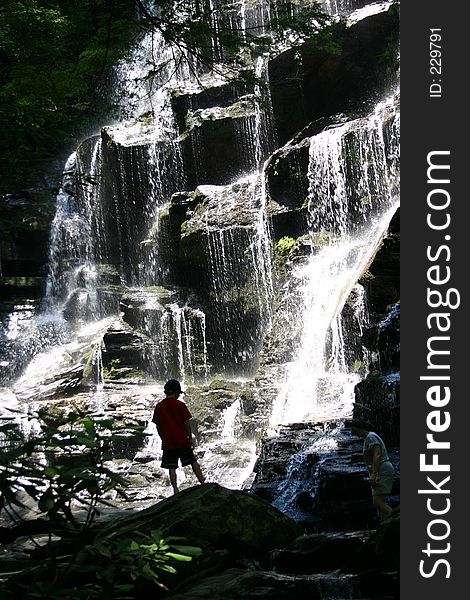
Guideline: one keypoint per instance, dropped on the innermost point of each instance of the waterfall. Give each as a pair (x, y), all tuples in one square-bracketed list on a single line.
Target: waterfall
[(352, 196), (78, 239), (97, 363), (239, 261), (230, 414), (361, 12), (146, 232), (300, 470)]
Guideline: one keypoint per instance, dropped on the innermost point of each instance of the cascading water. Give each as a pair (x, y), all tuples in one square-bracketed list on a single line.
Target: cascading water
[(353, 194), (352, 197), (114, 251), (240, 285)]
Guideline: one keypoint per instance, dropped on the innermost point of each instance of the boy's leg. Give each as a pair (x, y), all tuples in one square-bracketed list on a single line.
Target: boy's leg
[(173, 480), (197, 471)]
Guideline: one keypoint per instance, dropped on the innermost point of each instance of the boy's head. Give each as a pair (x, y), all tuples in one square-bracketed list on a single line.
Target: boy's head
[(172, 388), (358, 426)]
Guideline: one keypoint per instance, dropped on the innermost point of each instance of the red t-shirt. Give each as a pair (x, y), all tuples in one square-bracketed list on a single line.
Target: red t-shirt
[(171, 414)]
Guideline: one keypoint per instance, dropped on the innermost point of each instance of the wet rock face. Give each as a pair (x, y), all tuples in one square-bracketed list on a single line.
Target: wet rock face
[(382, 281), (175, 337), (377, 397), (65, 382), (221, 215), (124, 194), (224, 257), (287, 168), (377, 400), (310, 83), (317, 476), (217, 127), (125, 351), (212, 157)]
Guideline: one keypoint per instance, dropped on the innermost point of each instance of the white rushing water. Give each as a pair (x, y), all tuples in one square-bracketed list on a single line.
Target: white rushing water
[(318, 383)]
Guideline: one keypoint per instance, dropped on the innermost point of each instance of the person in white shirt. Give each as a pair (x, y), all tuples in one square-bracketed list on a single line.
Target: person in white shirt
[(381, 471)]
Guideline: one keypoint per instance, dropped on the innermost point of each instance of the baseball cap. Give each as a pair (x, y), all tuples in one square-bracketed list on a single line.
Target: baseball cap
[(172, 385)]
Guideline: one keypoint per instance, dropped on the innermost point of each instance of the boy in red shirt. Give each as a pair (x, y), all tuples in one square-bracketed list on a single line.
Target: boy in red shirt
[(171, 416)]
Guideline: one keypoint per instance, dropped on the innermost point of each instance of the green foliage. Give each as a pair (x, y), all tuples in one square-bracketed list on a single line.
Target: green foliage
[(389, 59), (54, 56), (113, 367), (208, 34), (62, 470), (367, 276), (118, 564), (308, 24), (114, 569), (285, 246)]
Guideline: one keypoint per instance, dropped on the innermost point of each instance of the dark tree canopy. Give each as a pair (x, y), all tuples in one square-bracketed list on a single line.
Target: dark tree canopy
[(53, 57), (56, 57)]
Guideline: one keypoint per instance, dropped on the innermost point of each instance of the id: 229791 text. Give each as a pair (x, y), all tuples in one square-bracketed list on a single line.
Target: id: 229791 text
[(435, 63)]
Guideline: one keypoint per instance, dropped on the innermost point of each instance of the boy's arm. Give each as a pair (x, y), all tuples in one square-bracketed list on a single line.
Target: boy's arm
[(187, 426), (155, 420)]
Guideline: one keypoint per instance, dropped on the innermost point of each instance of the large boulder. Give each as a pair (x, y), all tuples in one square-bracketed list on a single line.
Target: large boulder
[(213, 517)]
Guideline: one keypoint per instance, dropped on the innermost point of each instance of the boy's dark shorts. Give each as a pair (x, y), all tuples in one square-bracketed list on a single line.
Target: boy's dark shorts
[(170, 457)]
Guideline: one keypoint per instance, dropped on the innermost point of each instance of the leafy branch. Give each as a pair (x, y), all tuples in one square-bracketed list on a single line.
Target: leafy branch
[(63, 468), (58, 473)]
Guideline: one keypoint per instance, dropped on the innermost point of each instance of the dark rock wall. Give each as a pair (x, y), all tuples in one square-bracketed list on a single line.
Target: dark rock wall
[(313, 83), (378, 396)]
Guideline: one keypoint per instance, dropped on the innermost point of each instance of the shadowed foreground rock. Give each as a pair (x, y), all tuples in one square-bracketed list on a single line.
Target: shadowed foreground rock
[(236, 584), (250, 549), (211, 516)]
